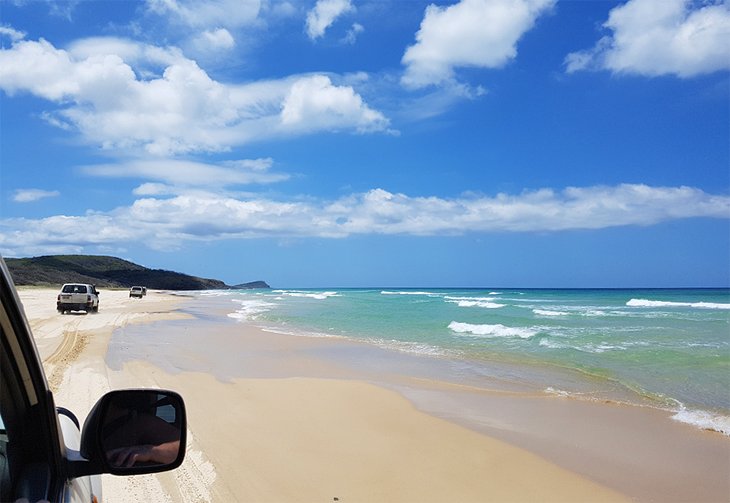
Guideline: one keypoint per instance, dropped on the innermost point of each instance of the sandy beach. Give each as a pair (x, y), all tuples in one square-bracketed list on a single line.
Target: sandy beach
[(305, 429)]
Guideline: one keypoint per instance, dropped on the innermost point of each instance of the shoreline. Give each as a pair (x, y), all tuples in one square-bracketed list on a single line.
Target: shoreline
[(579, 346), (337, 405), (595, 438)]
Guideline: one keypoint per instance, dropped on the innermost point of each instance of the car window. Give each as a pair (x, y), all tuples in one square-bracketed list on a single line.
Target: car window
[(74, 289)]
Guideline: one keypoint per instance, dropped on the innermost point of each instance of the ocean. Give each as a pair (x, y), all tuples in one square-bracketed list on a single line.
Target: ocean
[(662, 348)]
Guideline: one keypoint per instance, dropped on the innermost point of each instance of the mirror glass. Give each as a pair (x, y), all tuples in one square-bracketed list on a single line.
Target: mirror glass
[(142, 428)]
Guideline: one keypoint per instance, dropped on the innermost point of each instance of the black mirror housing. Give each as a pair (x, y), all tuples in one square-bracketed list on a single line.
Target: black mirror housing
[(134, 431)]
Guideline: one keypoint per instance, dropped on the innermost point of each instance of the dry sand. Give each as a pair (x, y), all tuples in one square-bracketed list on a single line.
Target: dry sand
[(304, 438)]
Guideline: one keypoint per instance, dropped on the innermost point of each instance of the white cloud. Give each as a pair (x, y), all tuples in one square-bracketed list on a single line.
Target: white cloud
[(661, 37), (169, 222), (379, 211), (126, 96), (471, 33), (279, 9), (31, 195), (63, 9), (38, 68), (155, 189), (13, 34), (208, 13), (212, 47), (176, 173), (142, 57), (215, 40), (353, 33), (315, 101), (324, 14)]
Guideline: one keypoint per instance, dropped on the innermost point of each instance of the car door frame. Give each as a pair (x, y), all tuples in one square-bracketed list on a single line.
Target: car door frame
[(40, 450)]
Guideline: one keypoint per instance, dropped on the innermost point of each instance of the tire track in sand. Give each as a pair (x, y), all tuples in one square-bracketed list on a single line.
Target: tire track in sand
[(73, 343), (75, 340)]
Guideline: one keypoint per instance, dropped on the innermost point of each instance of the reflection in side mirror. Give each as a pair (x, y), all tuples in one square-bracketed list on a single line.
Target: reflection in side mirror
[(136, 431)]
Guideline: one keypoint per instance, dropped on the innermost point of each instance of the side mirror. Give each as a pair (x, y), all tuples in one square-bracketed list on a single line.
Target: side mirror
[(130, 432)]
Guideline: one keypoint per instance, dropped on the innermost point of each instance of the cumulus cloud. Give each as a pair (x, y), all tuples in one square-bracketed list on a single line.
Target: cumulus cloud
[(661, 37), (471, 33), (125, 96), (31, 195), (316, 102), (169, 222), (324, 14)]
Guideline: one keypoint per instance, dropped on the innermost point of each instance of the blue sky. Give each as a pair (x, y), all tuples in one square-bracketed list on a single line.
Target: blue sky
[(533, 143)]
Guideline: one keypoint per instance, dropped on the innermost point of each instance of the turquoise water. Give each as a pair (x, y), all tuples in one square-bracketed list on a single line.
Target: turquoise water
[(669, 348)]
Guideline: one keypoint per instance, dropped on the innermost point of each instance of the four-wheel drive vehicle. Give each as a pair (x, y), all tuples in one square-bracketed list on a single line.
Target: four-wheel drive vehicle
[(137, 291), (43, 455), (77, 297)]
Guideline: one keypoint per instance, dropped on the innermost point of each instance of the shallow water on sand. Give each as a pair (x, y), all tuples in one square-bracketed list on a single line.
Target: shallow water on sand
[(664, 348)]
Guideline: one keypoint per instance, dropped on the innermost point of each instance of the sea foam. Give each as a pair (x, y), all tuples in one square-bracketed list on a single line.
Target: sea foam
[(474, 302), (662, 303), (250, 309), (704, 420), (497, 330), (545, 312), (307, 295), (393, 292)]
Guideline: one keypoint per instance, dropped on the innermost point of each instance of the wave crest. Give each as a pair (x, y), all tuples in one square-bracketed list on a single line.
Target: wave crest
[(664, 303), (393, 292), (476, 303), (307, 295), (250, 309), (545, 312), (497, 330)]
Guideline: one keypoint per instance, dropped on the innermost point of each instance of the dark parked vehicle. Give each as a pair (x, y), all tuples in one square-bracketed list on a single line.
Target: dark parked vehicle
[(44, 455)]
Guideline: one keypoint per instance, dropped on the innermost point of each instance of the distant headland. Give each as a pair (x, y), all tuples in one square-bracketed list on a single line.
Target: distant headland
[(109, 272)]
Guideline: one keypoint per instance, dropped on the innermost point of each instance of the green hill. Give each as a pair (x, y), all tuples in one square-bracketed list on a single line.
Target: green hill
[(104, 272)]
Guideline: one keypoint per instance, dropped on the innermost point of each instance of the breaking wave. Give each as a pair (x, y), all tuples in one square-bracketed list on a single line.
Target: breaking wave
[(307, 295), (663, 303), (392, 292), (250, 309), (545, 312), (474, 302), (497, 330)]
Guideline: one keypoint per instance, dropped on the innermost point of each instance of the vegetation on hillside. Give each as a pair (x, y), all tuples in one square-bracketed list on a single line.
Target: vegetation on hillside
[(107, 272)]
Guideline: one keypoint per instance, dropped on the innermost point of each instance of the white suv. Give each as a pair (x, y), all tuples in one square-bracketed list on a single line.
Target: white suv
[(77, 297)]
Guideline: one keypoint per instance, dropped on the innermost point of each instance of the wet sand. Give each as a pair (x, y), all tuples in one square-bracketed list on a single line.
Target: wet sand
[(297, 423)]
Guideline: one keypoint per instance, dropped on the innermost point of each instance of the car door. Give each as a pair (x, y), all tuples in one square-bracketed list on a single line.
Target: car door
[(31, 457)]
